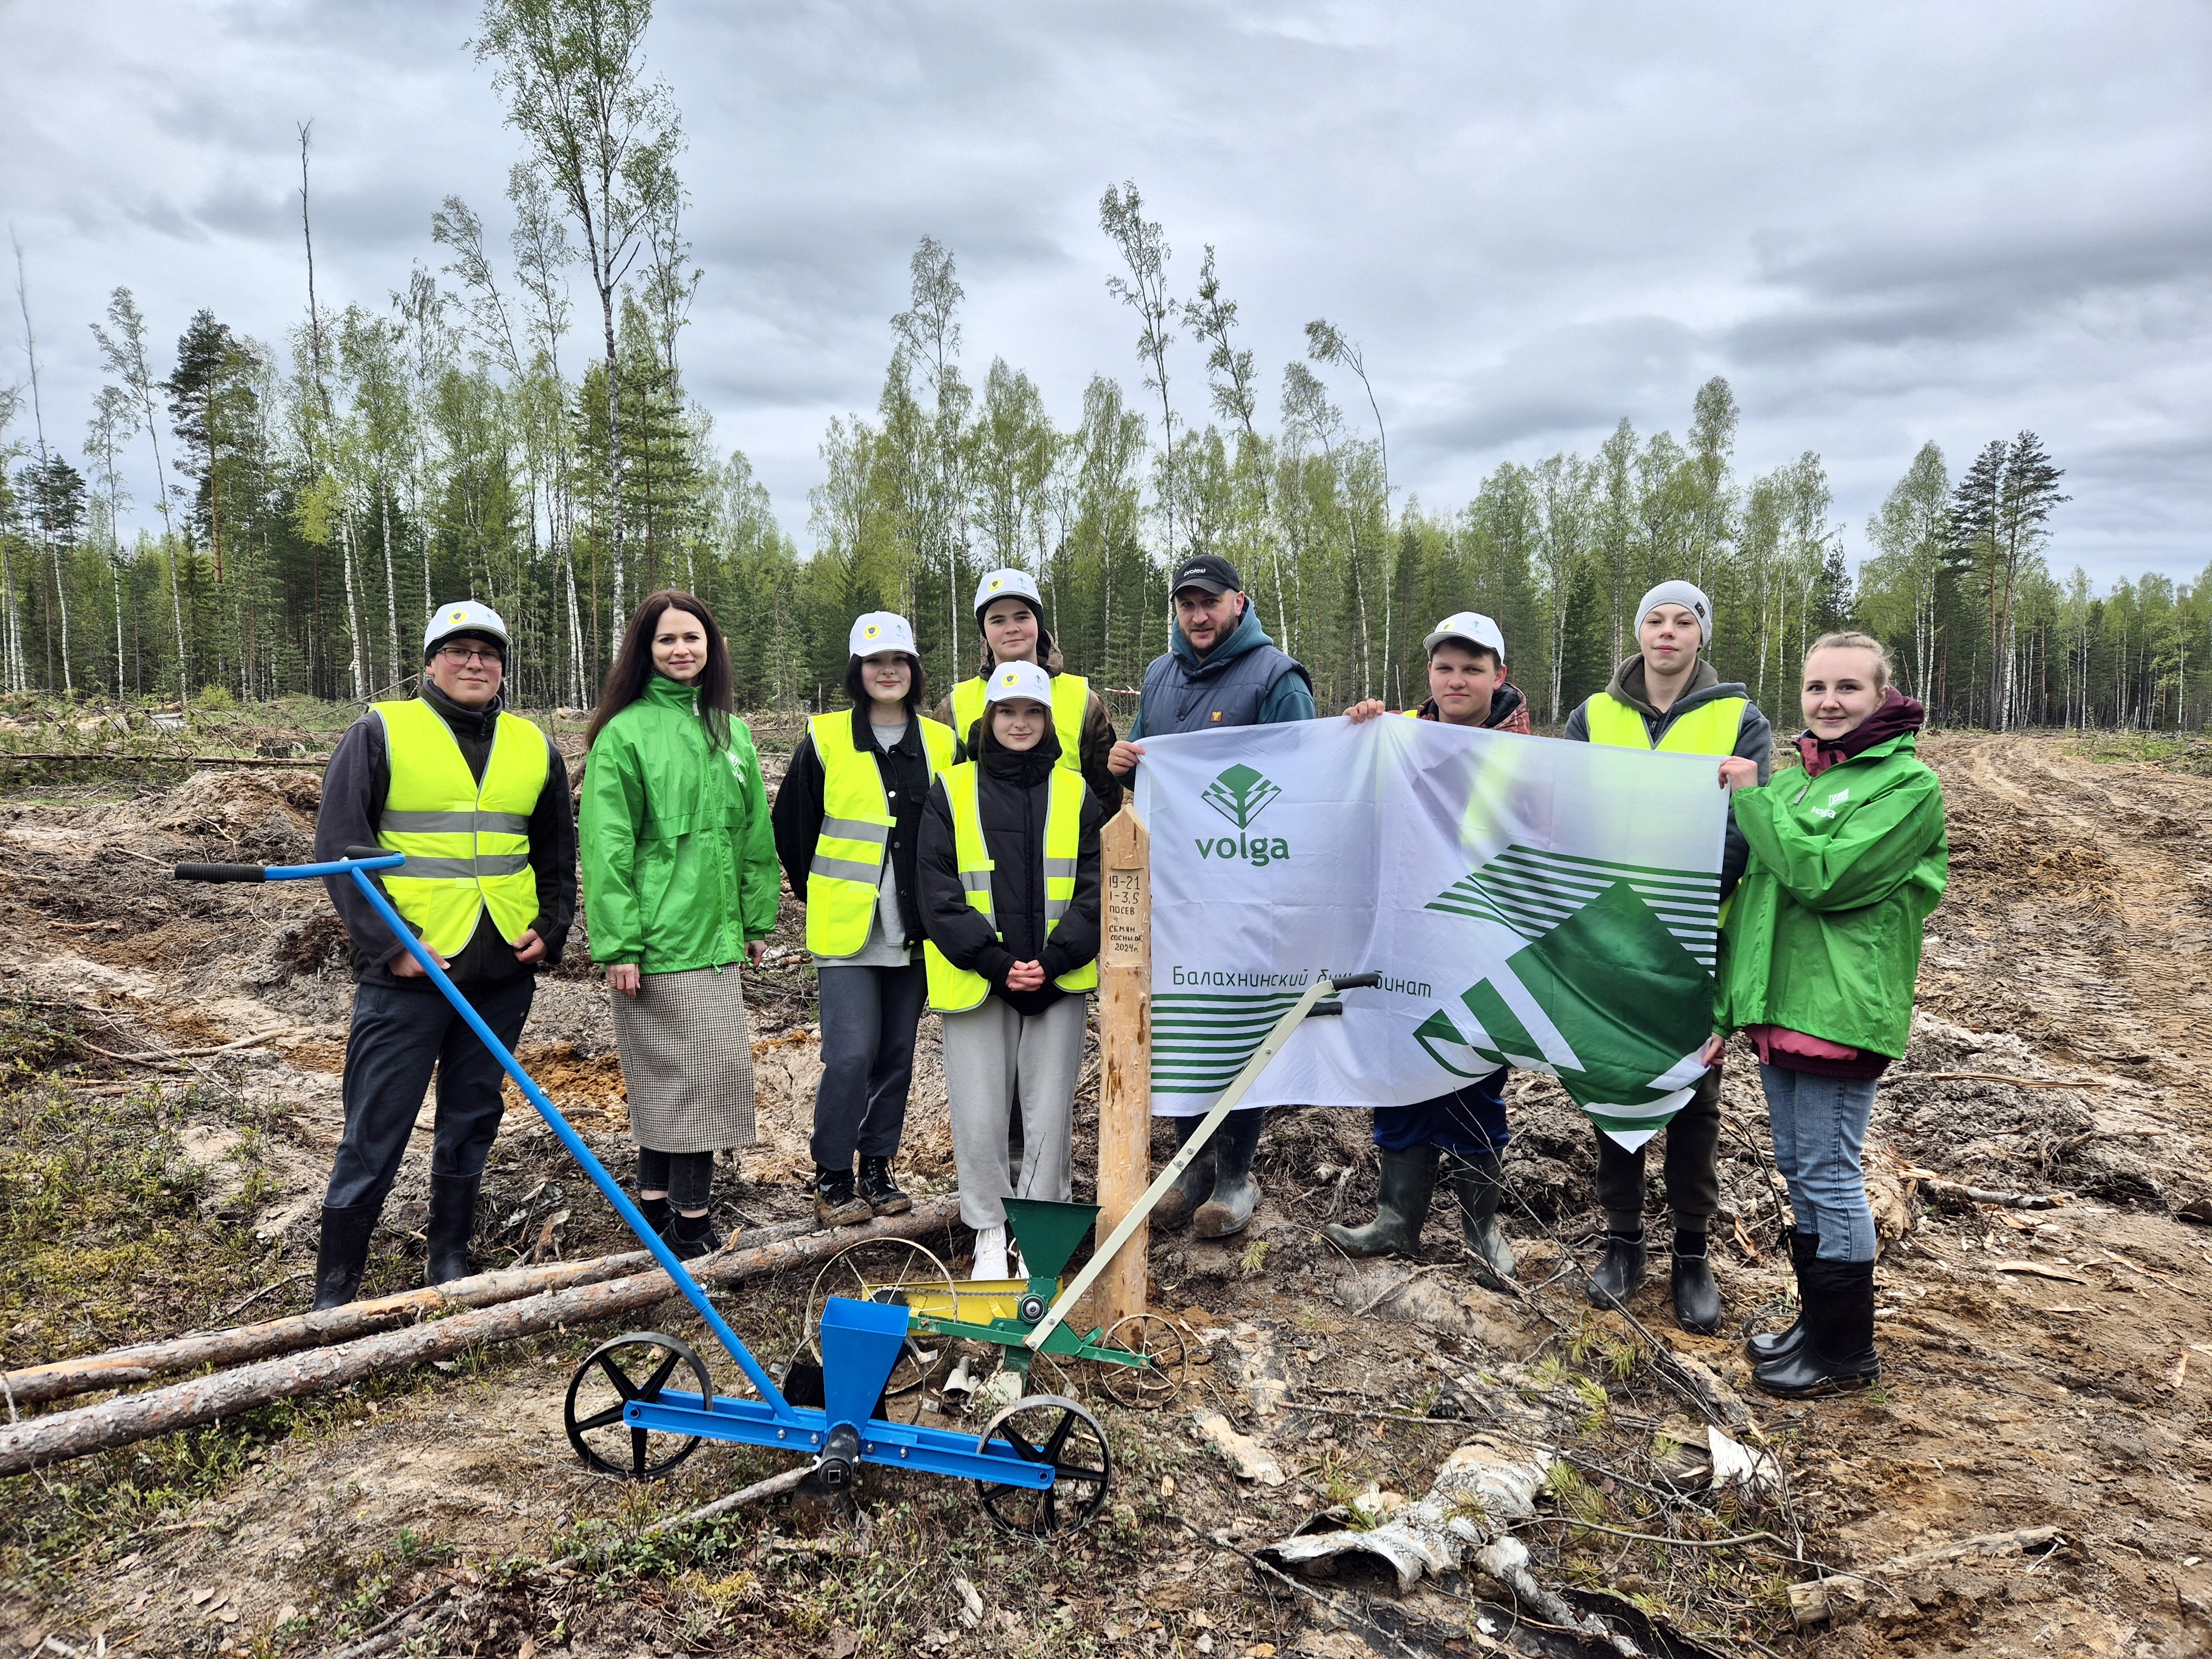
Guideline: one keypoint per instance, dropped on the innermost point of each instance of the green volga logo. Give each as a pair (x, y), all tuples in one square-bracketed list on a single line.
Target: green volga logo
[(1241, 795)]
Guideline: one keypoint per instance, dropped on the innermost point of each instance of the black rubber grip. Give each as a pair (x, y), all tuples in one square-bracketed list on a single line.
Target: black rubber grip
[(366, 853), (221, 873), (1320, 1008), (1355, 981)]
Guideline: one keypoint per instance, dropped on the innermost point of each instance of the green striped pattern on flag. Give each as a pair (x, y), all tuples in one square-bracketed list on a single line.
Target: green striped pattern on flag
[(1532, 891), (1201, 1039)]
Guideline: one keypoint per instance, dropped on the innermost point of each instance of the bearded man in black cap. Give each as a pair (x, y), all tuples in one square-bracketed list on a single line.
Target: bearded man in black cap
[(1220, 669)]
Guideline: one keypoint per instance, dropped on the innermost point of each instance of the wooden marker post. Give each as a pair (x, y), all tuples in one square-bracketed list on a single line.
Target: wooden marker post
[(1125, 1053)]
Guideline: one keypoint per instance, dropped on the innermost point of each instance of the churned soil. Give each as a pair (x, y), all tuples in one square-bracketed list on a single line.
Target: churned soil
[(2043, 1366)]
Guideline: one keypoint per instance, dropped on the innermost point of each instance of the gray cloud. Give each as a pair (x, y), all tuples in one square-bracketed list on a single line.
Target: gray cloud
[(1884, 226)]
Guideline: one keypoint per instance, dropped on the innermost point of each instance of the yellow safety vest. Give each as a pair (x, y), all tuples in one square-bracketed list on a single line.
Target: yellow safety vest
[(1708, 729), (467, 843), (847, 871), (1070, 701), (953, 989)]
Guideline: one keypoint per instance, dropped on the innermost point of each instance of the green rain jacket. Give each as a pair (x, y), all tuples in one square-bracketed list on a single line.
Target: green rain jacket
[(678, 857), (1824, 937)]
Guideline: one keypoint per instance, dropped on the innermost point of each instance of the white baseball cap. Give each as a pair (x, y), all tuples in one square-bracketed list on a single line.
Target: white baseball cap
[(1009, 584), (881, 630), (464, 616), (1471, 626), (1019, 679)]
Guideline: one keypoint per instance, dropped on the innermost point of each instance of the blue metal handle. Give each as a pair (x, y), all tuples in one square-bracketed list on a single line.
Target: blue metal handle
[(694, 1293)]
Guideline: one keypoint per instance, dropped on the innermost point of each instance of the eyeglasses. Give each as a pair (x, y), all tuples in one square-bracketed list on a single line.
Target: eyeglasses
[(460, 656)]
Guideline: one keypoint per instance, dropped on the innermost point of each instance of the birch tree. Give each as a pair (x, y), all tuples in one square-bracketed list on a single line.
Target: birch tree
[(123, 351), (1143, 245)]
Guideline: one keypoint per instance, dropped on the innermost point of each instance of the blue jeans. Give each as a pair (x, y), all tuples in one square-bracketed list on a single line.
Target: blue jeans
[(1466, 1123), (1820, 1126)]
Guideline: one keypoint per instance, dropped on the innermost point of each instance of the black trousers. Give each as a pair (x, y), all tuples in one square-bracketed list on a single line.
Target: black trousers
[(868, 1020), (398, 1037), (1693, 1183)]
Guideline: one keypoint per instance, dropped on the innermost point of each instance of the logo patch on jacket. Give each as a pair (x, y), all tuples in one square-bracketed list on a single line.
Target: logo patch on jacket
[(1217, 715)]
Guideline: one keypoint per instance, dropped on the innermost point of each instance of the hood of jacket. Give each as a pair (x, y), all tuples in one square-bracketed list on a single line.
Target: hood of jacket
[(1705, 685), (1248, 636)]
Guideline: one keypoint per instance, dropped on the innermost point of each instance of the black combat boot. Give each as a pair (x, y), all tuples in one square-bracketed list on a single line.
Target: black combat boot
[(1193, 1184), (1229, 1211), (1479, 1183), (836, 1202), (452, 1222), (343, 1252), (1780, 1345), (1401, 1205), (1696, 1298), (1836, 1353), (882, 1193), (1619, 1273)]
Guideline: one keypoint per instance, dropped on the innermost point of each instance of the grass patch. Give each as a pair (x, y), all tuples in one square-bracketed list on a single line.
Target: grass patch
[(2177, 753)]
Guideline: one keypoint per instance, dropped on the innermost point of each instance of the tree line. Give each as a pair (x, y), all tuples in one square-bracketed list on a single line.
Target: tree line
[(318, 495)]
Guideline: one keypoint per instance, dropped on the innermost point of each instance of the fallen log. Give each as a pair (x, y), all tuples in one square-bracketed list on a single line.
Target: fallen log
[(1817, 1600), (60, 1379), (36, 1442), (1944, 1187)]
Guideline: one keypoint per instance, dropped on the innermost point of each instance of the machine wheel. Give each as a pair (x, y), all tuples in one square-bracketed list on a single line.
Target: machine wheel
[(1047, 1429), (1157, 1382), (880, 1270), (636, 1366)]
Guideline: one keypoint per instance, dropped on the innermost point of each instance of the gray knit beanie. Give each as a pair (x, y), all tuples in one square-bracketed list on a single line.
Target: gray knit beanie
[(1690, 597)]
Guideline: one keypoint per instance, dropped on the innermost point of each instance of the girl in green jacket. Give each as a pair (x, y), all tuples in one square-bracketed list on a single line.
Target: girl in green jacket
[(1821, 954), (679, 881)]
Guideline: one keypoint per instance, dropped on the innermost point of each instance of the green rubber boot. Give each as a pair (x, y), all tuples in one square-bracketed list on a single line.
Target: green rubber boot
[(1479, 1182), (1401, 1205)]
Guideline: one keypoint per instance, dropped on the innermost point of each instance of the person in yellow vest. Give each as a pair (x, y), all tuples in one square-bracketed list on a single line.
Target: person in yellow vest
[(478, 800), (680, 884), (1009, 615), (1667, 698), (1009, 870), (846, 819)]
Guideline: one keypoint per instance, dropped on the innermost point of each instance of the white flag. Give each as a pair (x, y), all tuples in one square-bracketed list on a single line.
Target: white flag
[(1528, 902)]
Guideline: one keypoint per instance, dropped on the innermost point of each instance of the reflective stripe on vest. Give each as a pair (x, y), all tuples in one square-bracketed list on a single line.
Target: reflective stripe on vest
[(842, 882), (467, 844), (953, 990), (1711, 728), (1071, 702)]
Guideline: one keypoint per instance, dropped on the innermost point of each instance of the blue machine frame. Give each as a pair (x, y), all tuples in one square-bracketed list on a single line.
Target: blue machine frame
[(862, 1342)]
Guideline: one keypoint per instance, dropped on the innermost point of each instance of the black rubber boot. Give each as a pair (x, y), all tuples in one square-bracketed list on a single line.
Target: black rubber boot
[(1193, 1184), (452, 1222), (1696, 1298), (656, 1212), (1479, 1184), (343, 1252), (1229, 1211), (882, 1193), (1401, 1205), (1780, 1345), (1619, 1273), (836, 1202), (1836, 1354), (691, 1236)]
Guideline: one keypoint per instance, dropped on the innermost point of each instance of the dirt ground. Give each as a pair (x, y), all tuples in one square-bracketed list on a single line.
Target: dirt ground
[(2043, 1368)]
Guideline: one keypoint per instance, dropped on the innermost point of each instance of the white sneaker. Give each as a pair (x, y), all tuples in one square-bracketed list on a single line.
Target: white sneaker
[(990, 1253)]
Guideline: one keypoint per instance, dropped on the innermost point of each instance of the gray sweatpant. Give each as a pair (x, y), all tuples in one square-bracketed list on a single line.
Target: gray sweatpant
[(991, 1054)]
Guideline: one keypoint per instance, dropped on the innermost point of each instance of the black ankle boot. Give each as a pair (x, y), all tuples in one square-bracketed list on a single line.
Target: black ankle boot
[(1401, 1205), (836, 1202), (1838, 1351), (452, 1222), (1780, 1345), (1619, 1273), (1479, 1182), (656, 1212), (343, 1252), (1192, 1186), (882, 1193), (1229, 1211), (691, 1236), (1696, 1298)]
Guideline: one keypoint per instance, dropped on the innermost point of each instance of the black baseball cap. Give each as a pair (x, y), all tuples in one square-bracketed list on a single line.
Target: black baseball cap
[(1209, 572)]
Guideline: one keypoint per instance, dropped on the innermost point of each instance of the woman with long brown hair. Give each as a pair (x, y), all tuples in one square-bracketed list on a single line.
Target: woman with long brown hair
[(679, 882)]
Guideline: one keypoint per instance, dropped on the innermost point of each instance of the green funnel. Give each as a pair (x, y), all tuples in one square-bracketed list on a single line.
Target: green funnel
[(1047, 1233)]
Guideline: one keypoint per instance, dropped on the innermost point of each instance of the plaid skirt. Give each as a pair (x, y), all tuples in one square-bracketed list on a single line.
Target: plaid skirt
[(687, 1060)]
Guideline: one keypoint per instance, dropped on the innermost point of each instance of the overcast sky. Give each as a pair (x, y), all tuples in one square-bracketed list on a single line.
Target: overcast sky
[(1883, 222)]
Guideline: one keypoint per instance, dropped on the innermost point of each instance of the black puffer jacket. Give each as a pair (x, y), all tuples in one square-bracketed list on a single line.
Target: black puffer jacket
[(1014, 795)]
